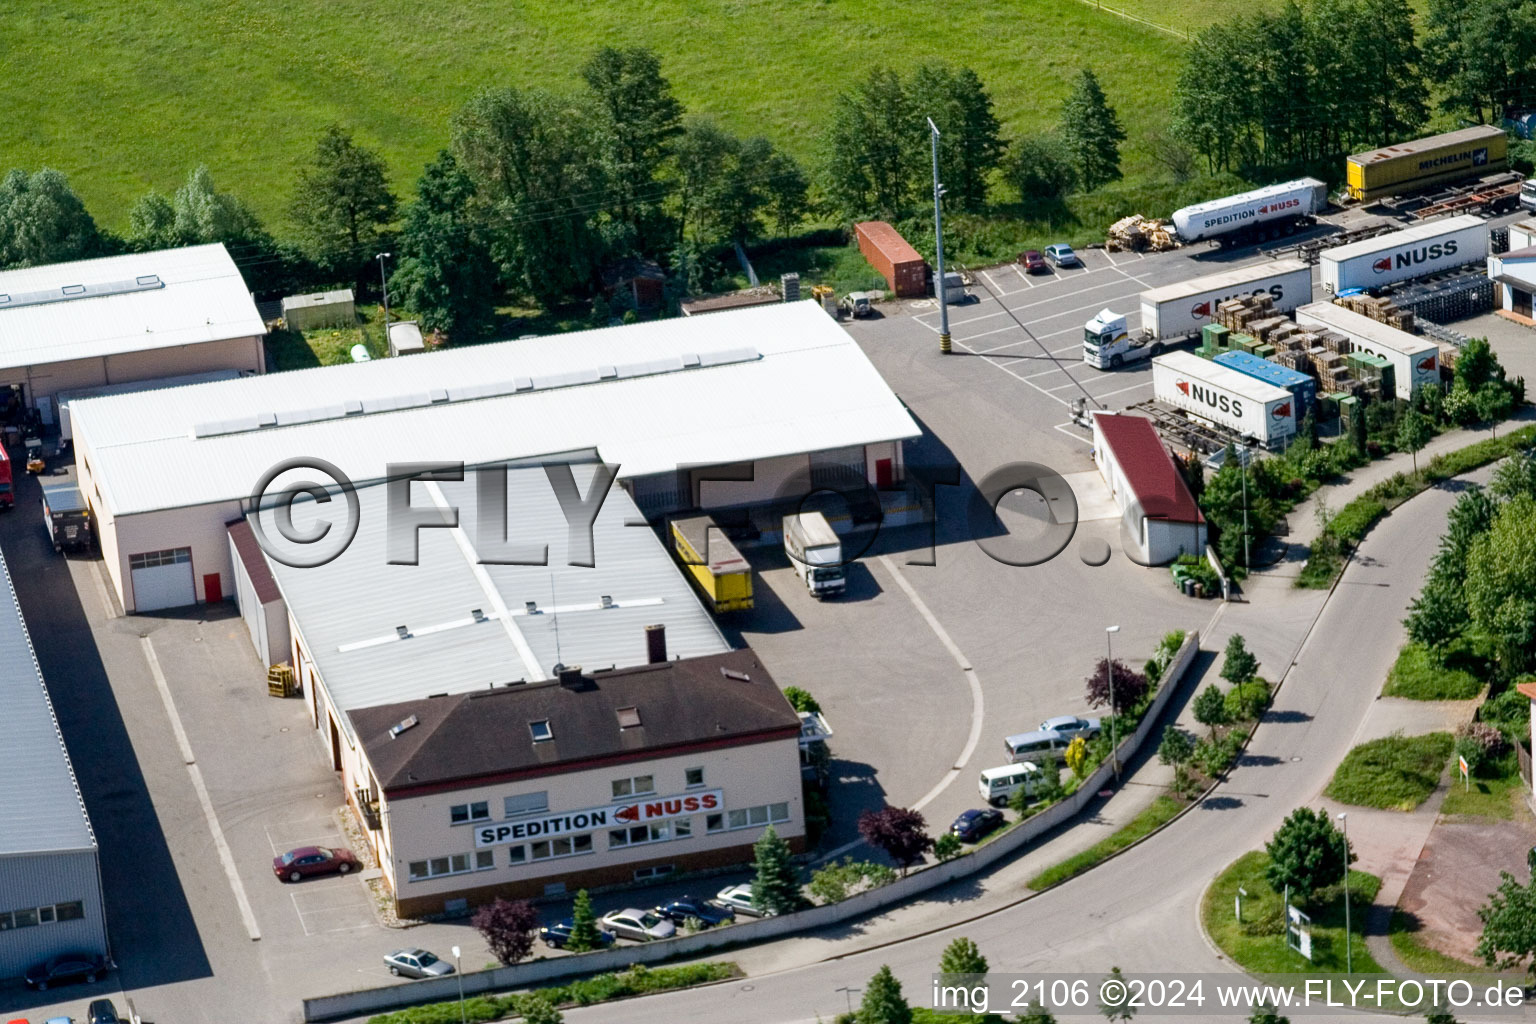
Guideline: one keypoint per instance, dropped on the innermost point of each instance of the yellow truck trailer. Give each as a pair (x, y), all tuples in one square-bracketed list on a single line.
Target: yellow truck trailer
[(1391, 170), (723, 577)]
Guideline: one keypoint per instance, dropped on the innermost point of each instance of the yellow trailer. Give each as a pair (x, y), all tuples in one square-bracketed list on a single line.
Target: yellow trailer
[(1391, 170), (723, 577)]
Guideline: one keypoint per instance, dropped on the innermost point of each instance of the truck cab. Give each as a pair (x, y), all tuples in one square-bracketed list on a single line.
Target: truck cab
[(816, 552), (1107, 343)]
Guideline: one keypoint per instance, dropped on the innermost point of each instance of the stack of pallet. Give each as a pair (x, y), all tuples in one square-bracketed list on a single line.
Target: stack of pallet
[(1378, 379), (1335, 342), (1332, 372), (1138, 234), (1448, 353), (1382, 310), (1241, 314)]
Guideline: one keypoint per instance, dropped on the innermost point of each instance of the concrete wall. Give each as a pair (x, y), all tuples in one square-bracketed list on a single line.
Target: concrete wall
[(378, 1000), (32, 881), (48, 379)]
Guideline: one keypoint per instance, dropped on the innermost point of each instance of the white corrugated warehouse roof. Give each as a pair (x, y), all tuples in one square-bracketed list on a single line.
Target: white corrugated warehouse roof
[(40, 806), (104, 307), (733, 387), (348, 610)]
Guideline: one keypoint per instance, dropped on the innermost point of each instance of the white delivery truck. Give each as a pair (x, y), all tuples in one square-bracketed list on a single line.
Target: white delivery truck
[(816, 553), (1415, 360), (1403, 255), (1211, 392), (1175, 313), (1252, 216)]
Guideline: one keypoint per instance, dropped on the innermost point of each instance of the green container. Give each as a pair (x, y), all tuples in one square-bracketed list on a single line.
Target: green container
[(1327, 407), (1265, 351), (1215, 336)]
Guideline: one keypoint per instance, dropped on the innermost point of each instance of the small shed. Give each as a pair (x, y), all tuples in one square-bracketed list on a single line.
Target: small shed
[(1514, 281), (405, 338), (636, 283), (319, 309)]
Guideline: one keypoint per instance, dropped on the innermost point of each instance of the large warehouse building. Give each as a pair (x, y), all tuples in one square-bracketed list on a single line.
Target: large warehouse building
[(772, 398), (123, 318), (50, 880)]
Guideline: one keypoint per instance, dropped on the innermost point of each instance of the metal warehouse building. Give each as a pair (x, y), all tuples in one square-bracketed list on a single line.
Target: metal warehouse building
[(771, 399), (50, 881), (124, 318)]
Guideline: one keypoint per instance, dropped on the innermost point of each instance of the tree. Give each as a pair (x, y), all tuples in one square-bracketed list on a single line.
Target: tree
[(152, 223), (1076, 756), (583, 924), (536, 1009), (947, 846), (1384, 53), (508, 927), (1239, 665), (205, 215), (1210, 708), (1175, 750), (970, 137), (1306, 853), (962, 957), (1476, 364), (1091, 130), (786, 191), (641, 120), (1123, 692), (1357, 432), (1267, 1015), (445, 273), (874, 152), (775, 889), (1040, 168), (1515, 476), (1509, 925), (1492, 402), (1440, 1017), (899, 832), (1027, 1014), (42, 221), (1438, 616), (341, 202), (801, 700), (1500, 584), (1413, 433), (705, 163), (1214, 97), (1121, 1009), (883, 1002)]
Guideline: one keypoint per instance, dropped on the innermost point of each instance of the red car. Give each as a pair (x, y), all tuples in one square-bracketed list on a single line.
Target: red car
[(1033, 262), (312, 860)]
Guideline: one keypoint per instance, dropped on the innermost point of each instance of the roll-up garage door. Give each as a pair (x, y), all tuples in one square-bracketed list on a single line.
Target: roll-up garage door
[(162, 579)]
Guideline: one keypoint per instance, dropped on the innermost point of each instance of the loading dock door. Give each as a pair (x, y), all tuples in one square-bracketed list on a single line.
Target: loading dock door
[(162, 579), (1522, 301)]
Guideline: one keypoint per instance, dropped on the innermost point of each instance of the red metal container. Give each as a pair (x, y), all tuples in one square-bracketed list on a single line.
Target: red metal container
[(902, 267)]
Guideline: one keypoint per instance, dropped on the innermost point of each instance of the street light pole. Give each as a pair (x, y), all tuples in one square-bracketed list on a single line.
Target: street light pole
[(1114, 715), (458, 970), (938, 244), (1243, 461), (1349, 947), (384, 283)]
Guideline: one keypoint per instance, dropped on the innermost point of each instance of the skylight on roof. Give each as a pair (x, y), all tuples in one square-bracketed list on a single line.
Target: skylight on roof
[(541, 730), (629, 718)]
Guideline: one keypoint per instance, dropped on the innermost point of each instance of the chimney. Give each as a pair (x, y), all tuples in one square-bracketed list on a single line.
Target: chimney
[(655, 644), (570, 677)]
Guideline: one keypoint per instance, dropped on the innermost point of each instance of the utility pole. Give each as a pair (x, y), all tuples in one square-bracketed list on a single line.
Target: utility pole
[(1349, 945), (384, 283), (1243, 461), (938, 244), (1114, 715)]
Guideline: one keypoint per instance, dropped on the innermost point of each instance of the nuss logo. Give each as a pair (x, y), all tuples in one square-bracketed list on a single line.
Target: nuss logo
[(1427, 364), (1211, 397), (1202, 310), (1280, 412), (1411, 257)]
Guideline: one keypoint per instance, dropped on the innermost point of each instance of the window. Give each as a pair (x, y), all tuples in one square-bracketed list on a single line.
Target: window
[(654, 871), (6, 922), (517, 855), (480, 810), (629, 718), (485, 860), (25, 918), (714, 823), (73, 911), (640, 785), (561, 846), (454, 864), (750, 817), (694, 777), (526, 803), (541, 730), (150, 559), (655, 832), (45, 915)]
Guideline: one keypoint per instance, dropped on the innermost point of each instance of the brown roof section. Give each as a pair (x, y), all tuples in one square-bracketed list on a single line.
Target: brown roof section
[(1529, 689), (485, 736), (1148, 468), (254, 561)]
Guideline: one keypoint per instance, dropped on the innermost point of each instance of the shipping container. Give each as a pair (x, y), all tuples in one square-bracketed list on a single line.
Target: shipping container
[(1248, 407), (1184, 308), (901, 265), (1402, 255), (1301, 386), (722, 575), (1467, 153), (1273, 206), (1415, 360)]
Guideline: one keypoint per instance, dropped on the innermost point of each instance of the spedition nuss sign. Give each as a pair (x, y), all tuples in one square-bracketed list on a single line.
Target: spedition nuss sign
[(614, 816)]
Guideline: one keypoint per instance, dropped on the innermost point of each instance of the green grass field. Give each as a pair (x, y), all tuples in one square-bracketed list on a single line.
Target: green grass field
[(131, 95), (1419, 677), (1393, 773), (1159, 813)]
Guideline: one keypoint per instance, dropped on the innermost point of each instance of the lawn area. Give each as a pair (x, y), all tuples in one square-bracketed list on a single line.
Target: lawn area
[(1393, 773), (1418, 676), (1257, 944), (1161, 811), (294, 350), (1416, 956), (1492, 797), (246, 87)]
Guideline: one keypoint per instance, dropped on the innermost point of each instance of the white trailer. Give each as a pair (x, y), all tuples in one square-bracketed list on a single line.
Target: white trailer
[(1176, 312), (1415, 360), (1264, 210), (1226, 398), (816, 553), (1403, 255)]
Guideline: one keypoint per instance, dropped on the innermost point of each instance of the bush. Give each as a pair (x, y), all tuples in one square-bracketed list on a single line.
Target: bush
[(1481, 744), (1395, 772), (801, 700), (1129, 686), (1153, 670), (1419, 674), (946, 847), (1213, 757), (1247, 701), (1510, 711), (836, 882)]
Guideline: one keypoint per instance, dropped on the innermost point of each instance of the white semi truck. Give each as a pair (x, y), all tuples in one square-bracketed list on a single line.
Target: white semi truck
[(1418, 251), (1253, 216), (1216, 394), (1175, 314), (816, 552)]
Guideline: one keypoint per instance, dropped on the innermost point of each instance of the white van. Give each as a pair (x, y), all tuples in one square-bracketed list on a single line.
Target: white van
[(998, 785), (1040, 746)]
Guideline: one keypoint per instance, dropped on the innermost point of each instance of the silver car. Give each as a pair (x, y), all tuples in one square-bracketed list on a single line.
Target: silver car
[(639, 925), (739, 899), (1072, 727), (416, 963)]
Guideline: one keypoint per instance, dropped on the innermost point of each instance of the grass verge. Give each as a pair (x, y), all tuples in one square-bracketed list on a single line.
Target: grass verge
[(1257, 943), (1491, 798), (1417, 675), (1393, 773), (1416, 956), (1161, 811)]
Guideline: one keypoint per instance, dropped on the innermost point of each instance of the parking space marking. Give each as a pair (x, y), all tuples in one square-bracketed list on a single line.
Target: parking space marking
[(353, 903), (1023, 276), (1074, 435), (225, 856), (307, 832), (1133, 387), (1042, 373)]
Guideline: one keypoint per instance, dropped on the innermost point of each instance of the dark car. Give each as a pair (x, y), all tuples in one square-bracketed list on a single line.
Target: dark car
[(312, 860), (973, 826), (1033, 261), (101, 1011), (681, 909), (556, 935), (65, 968)]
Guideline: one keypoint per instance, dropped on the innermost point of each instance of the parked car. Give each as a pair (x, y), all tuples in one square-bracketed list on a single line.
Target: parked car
[(556, 935), (1072, 727), (1062, 255), (416, 963), (681, 909), (64, 968), (639, 925), (312, 860), (739, 899), (101, 1011), (973, 826), (1033, 262)]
